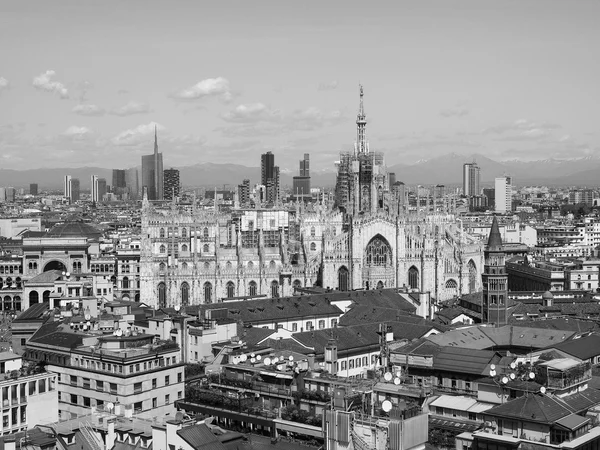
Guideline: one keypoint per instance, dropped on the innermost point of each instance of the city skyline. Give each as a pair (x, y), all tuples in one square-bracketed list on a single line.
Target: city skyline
[(524, 88)]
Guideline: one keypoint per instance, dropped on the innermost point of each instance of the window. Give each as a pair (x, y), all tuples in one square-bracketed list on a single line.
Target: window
[(207, 292), (252, 288), (294, 327), (312, 231), (167, 399), (137, 407), (321, 324), (86, 402), (230, 289), (472, 416), (309, 325), (100, 385), (205, 232), (86, 383), (113, 388), (274, 289), (167, 380), (154, 402), (313, 247), (333, 323), (162, 232), (343, 365), (153, 383), (351, 364), (179, 394), (179, 377), (73, 380), (73, 399), (184, 248), (162, 249), (205, 248), (137, 388)]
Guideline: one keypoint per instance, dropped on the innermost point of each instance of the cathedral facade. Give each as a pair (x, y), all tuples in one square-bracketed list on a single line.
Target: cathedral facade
[(369, 238)]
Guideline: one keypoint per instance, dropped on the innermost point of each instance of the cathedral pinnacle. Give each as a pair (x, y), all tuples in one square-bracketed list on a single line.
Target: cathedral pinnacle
[(361, 145)]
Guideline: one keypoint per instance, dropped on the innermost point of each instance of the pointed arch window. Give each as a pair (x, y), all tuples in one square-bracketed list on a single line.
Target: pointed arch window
[(343, 277), (205, 232), (162, 249), (162, 295), (413, 278), (312, 231), (162, 267), (205, 248), (252, 288), (297, 285), (274, 289), (184, 248), (313, 247), (185, 294), (230, 288), (184, 232), (162, 232), (207, 292), (472, 276), (379, 252)]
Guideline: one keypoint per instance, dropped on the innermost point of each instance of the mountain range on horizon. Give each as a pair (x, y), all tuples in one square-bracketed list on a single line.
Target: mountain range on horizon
[(445, 169)]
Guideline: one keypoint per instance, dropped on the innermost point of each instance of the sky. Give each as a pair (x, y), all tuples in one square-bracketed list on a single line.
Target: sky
[(84, 83)]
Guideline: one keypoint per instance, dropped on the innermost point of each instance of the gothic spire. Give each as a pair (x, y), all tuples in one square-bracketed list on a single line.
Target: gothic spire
[(361, 145), (495, 240)]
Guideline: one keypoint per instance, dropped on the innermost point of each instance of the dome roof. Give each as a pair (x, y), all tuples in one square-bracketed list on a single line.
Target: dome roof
[(547, 295), (74, 229)]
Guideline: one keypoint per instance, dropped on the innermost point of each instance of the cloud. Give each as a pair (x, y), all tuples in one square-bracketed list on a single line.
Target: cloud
[(122, 91), (88, 110), (312, 118), (328, 86), (44, 82), (522, 130), (254, 112), (4, 84), (77, 133), (130, 109), (210, 87), (454, 112), (138, 135)]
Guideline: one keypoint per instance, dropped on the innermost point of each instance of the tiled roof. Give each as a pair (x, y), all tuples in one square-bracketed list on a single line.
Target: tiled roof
[(578, 325), (531, 408), (200, 437), (272, 309), (583, 348), (463, 360), (35, 311), (580, 402), (53, 334), (471, 337), (361, 314), (46, 277)]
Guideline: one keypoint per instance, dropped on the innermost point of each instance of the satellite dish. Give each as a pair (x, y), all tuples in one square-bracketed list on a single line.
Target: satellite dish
[(244, 358), (267, 361), (275, 359), (258, 357), (88, 317), (64, 273), (252, 355), (177, 308), (68, 274), (235, 361), (119, 332), (399, 373), (512, 376), (513, 365), (291, 358), (396, 381), (504, 380), (542, 389), (252, 360), (179, 416), (387, 376), (493, 367), (110, 406), (279, 367), (386, 406), (531, 375), (492, 373)]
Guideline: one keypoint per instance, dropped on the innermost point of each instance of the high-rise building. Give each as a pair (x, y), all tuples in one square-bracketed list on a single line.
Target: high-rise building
[(152, 172), (471, 179), (67, 186), (132, 183), (118, 181), (495, 280), (503, 194), (171, 184), (97, 188), (269, 177), (75, 190), (2, 195), (102, 188), (244, 192), (33, 189), (581, 196), (11, 193), (391, 179), (301, 183)]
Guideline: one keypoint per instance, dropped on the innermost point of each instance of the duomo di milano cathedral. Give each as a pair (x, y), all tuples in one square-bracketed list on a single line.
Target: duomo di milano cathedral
[(369, 238)]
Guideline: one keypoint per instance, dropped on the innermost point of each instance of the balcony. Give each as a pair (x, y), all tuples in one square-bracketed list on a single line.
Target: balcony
[(454, 390)]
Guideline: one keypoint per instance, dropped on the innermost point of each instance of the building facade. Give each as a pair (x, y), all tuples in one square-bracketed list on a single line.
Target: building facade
[(171, 184), (364, 241), (152, 173), (471, 179), (503, 194)]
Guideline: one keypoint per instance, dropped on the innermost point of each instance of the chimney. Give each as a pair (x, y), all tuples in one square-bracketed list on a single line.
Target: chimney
[(311, 361), (425, 301), (110, 434)]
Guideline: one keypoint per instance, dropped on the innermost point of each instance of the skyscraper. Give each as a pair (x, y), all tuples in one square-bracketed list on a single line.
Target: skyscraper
[(33, 189), (471, 179), (97, 188), (503, 194), (152, 172), (118, 181), (301, 183), (10, 194), (67, 186), (269, 177), (75, 190), (244, 192), (132, 183), (171, 183)]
